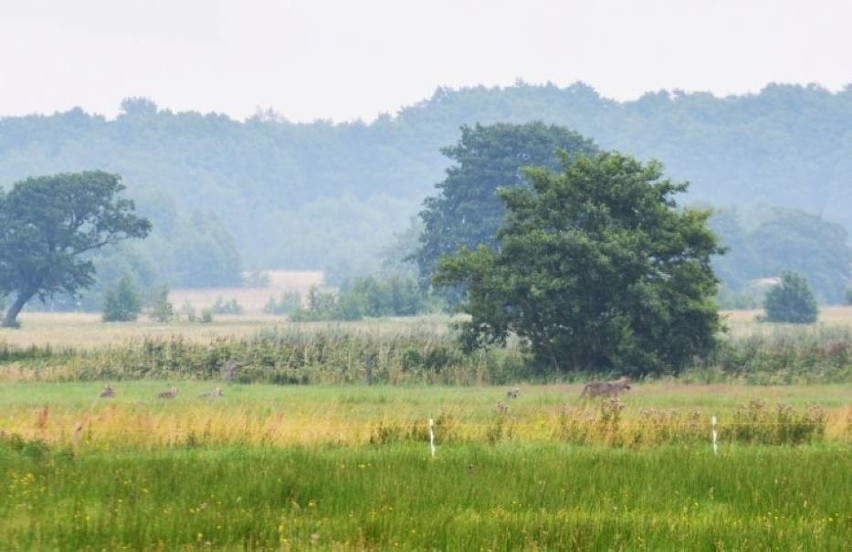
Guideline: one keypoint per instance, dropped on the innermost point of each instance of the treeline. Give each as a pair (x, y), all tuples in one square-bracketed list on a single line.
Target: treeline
[(226, 196)]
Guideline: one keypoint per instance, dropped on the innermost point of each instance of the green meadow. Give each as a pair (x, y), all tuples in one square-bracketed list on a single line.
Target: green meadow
[(469, 497)]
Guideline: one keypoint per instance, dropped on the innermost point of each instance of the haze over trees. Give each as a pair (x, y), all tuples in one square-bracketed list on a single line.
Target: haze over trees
[(225, 196), (764, 243)]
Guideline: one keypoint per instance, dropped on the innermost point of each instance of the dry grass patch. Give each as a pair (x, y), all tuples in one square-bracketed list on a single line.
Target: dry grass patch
[(744, 322), (252, 300), (88, 331)]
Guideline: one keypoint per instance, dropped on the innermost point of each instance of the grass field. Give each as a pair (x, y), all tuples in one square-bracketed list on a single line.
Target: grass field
[(470, 497), (66, 414), (349, 467)]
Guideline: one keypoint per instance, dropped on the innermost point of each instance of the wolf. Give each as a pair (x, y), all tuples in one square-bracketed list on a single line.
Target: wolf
[(606, 388), (170, 394), (212, 394)]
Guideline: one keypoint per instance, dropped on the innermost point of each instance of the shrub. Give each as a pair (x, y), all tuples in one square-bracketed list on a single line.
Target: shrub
[(319, 305), (288, 303), (256, 279), (791, 301), (755, 422), (231, 306), (123, 302), (160, 309), (188, 311), (370, 297)]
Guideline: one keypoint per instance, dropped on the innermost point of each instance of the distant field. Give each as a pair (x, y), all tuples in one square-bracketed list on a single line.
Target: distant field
[(252, 300), (745, 320), (87, 329)]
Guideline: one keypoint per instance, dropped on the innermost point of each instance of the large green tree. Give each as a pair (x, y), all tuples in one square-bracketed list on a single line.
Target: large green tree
[(597, 269), (48, 227), (466, 210)]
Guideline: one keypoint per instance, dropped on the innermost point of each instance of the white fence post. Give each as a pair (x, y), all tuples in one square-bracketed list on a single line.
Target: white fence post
[(715, 446), (432, 437)]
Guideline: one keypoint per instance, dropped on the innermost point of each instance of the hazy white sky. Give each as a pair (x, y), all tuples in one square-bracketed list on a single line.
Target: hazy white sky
[(346, 59)]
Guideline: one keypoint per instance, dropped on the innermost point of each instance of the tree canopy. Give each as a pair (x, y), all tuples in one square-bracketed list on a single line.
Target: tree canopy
[(49, 226), (596, 269), (791, 301), (467, 210)]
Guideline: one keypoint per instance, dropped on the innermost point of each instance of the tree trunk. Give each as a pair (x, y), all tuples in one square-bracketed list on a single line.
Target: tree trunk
[(11, 319)]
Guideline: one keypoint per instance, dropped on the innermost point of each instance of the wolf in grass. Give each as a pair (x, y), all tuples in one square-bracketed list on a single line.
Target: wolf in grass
[(170, 394), (606, 388), (212, 394)]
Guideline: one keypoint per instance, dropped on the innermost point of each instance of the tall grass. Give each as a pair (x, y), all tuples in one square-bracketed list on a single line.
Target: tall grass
[(349, 468), (72, 415), (281, 355), (471, 497), (785, 354), (405, 353)]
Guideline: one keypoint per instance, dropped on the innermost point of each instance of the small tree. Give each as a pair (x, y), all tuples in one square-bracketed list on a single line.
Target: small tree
[(231, 306), (162, 309), (791, 301), (256, 279), (122, 303), (319, 305), (288, 303)]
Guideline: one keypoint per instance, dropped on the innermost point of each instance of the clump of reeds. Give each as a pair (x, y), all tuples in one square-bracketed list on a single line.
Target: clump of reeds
[(756, 422)]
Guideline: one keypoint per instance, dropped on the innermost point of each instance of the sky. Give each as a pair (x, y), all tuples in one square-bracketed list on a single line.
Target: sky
[(343, 60)]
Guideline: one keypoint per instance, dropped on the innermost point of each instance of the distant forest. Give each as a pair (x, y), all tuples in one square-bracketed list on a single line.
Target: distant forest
[(227, 196)]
